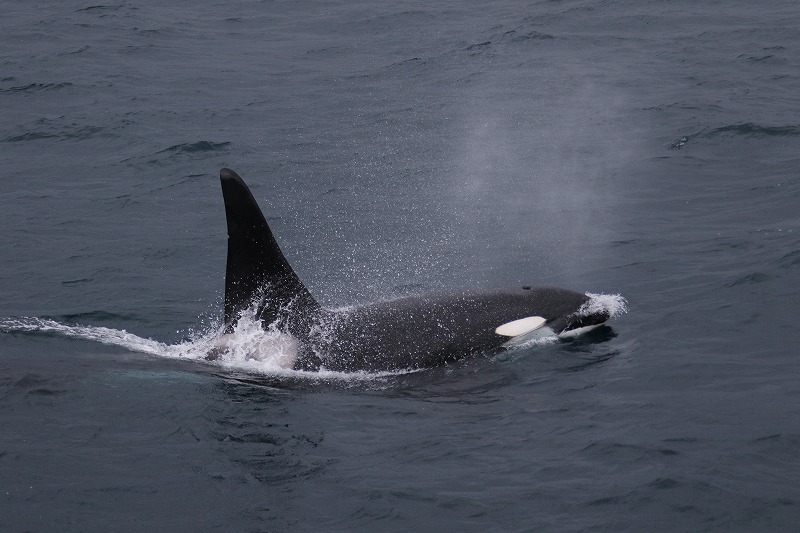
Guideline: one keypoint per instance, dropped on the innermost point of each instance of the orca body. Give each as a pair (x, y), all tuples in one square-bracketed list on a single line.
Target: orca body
[(406, 333)]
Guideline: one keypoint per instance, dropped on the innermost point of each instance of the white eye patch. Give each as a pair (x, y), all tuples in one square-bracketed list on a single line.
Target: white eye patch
[(521, 326)]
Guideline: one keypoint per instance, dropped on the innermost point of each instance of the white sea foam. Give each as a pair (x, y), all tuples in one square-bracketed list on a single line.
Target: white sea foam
[(614, 304), (541, 337), (248, 348), (116, 337)]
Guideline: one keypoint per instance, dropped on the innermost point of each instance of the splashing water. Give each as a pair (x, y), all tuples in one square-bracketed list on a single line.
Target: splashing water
[(103, 335), (613, 304), (248, 348), (251, 348)]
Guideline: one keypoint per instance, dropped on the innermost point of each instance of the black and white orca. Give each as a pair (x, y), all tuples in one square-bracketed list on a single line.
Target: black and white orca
[(406, 333)]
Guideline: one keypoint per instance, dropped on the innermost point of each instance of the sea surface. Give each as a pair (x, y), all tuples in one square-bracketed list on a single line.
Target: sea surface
[(649, 149)]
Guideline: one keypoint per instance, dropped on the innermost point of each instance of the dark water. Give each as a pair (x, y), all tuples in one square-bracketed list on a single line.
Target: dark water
[(645, 148)]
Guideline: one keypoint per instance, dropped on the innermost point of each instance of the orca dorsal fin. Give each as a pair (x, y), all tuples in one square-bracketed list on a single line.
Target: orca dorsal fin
[(256, 268)]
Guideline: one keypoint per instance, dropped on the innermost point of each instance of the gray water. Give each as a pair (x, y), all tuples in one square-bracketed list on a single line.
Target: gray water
[(649, 149)]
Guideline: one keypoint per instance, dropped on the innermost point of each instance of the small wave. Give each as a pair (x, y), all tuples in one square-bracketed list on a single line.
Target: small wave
[(757, 59), (477, 46), (79, 281), (98, 7), (517, 36), (790, 259), (747, 129), (65, 133), (754, 130), (753, 277), (99, 315), (36, 87), (80, 50), (30, 136), (199, 146), (36, 385)]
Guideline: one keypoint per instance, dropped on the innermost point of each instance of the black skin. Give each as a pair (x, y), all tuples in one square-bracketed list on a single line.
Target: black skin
[(407, 333), (434, 329)]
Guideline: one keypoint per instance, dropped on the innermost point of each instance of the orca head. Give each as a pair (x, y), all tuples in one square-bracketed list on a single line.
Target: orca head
[(547, 311), (579, 323)]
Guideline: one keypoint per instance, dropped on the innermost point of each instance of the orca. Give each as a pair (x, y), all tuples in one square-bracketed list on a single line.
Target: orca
[(407, 333)]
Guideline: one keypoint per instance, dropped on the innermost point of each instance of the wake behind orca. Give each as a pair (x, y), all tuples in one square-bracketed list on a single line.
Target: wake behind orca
[(407, 333)]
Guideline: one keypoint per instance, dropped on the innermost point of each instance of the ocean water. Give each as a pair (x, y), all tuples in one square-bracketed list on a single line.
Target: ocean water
[(643, 148)]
